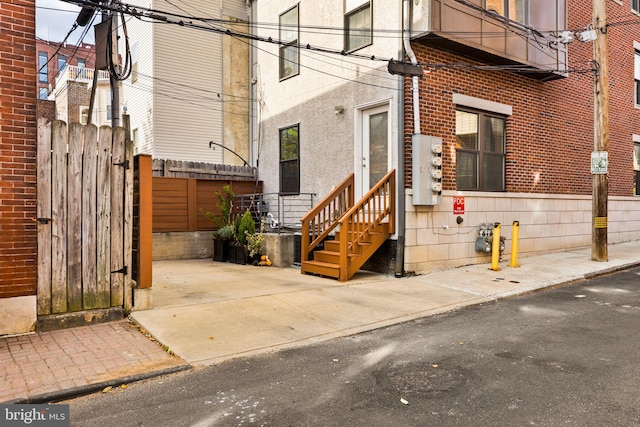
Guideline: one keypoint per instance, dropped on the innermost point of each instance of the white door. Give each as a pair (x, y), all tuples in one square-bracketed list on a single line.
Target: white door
[(373, 159)]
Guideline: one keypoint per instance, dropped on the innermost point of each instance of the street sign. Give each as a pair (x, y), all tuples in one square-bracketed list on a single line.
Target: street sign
[(599, 162), (458, 205)]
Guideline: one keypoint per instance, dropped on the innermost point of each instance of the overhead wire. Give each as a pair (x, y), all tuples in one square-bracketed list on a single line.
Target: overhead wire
[(162, 16)]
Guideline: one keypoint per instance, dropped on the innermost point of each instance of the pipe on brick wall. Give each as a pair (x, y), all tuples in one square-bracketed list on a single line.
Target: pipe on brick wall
[(415, 89)]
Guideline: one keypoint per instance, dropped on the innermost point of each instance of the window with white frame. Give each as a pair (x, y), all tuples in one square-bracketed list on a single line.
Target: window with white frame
[(289, 52), (480, 151), (358, 25), (84, 115), (134, 62), (635, 5), (516, 10), (62, 62)]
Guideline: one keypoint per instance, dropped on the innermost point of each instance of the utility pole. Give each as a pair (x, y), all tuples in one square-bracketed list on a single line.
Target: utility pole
[(115, 60), (600, 155)]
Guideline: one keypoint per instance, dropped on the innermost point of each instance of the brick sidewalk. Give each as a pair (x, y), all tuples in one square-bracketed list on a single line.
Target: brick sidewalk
[(47, 363)]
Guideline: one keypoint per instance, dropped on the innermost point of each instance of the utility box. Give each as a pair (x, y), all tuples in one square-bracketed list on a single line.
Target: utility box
[(426, 170)]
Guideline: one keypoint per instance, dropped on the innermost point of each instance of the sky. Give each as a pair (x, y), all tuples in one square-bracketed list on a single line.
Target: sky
[(54, 19)]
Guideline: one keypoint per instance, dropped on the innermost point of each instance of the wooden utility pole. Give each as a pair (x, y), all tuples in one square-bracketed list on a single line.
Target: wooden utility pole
[(599, 158)]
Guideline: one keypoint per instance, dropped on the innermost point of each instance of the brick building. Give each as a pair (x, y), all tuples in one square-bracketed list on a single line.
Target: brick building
[(53, 57), (17, 161), (507, 95)]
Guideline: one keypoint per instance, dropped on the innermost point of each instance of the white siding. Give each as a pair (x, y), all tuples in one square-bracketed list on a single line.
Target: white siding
[(176, 105), (138, 96), (188, 70)]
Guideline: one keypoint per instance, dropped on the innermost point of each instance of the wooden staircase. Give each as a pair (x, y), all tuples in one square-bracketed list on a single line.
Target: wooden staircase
[(360, 228)]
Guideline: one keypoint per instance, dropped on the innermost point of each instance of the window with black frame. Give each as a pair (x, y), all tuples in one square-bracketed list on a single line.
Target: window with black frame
[(480, 151), (636, 75), (290, 160), (289, 55), (357, 26), (636, 169)]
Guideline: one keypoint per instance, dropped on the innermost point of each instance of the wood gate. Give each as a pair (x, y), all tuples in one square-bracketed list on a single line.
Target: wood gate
[(84, 214)]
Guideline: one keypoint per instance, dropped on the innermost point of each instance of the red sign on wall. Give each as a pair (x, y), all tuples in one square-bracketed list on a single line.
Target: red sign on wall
[(458, 205)]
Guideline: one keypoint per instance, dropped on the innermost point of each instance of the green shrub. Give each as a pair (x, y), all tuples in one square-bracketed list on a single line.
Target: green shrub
[(225, 233), (246, 226)]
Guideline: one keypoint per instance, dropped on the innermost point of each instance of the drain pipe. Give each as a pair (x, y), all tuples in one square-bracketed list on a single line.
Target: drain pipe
[(406, 8), (415, 90)]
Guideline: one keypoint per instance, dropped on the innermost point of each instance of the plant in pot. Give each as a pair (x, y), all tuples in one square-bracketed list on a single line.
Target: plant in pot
[(245, 226), (225, 233), (222, 238), (255, 243)]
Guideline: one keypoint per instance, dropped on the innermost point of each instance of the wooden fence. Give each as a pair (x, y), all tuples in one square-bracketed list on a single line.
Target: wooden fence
[(85, 192), (179, 203)]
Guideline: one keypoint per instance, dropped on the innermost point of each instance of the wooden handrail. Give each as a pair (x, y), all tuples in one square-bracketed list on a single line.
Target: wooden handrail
[(324, 217), (366, 217)]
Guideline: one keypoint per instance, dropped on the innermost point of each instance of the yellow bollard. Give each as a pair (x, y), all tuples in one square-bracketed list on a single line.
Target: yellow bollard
[(495, 247), (514, 244)]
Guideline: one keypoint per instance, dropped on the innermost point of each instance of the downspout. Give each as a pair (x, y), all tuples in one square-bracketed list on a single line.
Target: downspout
[(406, 24)]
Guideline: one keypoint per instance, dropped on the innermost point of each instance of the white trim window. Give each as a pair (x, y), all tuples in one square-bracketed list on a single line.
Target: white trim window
[(358, 25), (635, 6), (289, 55)]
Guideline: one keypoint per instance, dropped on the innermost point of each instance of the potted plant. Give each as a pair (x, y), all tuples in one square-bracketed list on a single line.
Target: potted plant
[(225, 232), (255, 243), (221, 240), (239, 252)]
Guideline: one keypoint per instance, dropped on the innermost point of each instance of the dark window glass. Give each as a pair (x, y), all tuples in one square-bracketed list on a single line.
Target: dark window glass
[(289, 160), (480, 151)]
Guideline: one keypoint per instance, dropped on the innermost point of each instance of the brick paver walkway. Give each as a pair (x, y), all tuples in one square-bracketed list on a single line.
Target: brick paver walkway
[(48, 362)]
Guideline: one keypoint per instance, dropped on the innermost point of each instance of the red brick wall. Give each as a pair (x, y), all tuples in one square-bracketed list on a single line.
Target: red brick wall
[(46, 109), (17, 148), (550, 134)]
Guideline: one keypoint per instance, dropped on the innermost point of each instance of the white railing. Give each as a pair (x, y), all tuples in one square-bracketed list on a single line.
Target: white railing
[(75, 73)]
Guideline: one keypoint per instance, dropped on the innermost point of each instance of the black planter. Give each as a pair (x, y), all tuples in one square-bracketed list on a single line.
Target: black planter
[(221, 250), (238, 254)]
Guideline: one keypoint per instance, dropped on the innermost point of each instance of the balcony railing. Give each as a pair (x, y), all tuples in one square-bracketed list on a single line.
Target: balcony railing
[(281, 212), (79, 74)]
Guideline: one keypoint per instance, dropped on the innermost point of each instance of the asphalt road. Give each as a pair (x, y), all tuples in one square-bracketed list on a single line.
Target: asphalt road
[(568, 356)]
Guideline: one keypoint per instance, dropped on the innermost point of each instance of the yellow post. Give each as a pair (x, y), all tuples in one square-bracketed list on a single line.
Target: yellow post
[(495, 247), (515, 232)]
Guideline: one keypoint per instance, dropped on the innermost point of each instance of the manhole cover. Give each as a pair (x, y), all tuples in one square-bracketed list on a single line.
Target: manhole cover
[(421, 379)]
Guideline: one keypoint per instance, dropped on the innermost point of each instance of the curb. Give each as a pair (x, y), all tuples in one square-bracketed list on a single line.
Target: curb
[(69, 393), (611, 270)]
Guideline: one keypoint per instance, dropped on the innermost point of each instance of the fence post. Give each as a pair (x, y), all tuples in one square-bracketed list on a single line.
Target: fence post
[(144, 221)]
